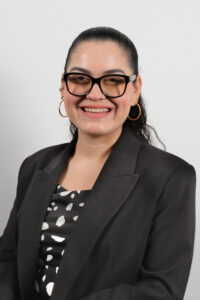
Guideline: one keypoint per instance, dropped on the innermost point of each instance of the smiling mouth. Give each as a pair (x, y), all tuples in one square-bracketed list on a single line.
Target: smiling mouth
[(96, 113), (95, 110)]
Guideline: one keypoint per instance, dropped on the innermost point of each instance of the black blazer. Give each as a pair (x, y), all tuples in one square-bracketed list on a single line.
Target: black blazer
[(133, 242)]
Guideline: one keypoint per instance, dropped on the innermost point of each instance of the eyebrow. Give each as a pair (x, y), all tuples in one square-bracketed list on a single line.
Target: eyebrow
[(105, 72)]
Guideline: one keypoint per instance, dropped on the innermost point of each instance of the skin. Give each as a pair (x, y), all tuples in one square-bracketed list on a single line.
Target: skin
[(97, 136)]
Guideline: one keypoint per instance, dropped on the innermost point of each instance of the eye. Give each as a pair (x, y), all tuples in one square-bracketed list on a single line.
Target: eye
[(114, 80), (79, 78), (117, 80)]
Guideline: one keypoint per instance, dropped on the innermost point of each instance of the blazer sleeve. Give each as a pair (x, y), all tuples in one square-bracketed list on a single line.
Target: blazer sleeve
[(9, 289), (168, 254)]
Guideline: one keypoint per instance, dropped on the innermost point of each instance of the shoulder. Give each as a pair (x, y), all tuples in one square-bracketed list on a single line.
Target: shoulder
[(159, 162), (40, 158), (47, 153)]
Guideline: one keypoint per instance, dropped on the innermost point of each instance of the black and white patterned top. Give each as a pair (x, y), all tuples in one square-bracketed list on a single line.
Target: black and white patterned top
[(62, 213)]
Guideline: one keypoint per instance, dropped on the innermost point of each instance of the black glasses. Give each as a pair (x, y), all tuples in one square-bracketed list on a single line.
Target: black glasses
[(113, 85)]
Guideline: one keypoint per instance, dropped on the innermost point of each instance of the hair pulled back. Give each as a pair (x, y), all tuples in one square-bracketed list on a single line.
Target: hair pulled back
[(102, 33)]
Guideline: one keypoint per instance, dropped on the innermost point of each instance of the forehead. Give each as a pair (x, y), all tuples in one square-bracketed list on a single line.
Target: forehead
[(98, 56)]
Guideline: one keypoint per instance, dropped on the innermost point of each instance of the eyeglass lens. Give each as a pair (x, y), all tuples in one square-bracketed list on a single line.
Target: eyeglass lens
[(112, 85)]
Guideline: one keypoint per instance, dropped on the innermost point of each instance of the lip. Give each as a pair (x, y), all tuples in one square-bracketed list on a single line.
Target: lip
[(96, 106), (95, 115)]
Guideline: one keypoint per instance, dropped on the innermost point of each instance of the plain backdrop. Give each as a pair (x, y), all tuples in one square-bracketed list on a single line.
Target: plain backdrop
[(35, 37)]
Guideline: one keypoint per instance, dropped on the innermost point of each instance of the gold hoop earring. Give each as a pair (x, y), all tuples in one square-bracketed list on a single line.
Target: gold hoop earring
[(60, 109), (140, 112)]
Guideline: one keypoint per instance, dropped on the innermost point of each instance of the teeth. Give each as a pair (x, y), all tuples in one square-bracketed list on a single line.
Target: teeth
[(95, 109)]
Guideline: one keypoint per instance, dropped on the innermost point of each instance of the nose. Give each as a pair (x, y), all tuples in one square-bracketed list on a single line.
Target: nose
[(96, 92)]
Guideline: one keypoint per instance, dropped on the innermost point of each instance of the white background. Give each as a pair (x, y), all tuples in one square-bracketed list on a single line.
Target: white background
[(35, 37)]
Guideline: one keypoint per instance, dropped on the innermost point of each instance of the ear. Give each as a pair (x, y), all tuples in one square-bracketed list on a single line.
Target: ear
[(62, 85), (137, 90)]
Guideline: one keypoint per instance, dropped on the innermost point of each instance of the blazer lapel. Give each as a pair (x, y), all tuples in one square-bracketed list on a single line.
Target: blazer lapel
[(113, 186), (32, 214)]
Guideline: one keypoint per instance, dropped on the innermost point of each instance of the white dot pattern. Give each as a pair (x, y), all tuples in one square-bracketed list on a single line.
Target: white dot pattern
[(61, 215)]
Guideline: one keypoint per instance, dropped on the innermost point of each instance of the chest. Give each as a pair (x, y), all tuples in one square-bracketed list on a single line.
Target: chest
[(80, 175)]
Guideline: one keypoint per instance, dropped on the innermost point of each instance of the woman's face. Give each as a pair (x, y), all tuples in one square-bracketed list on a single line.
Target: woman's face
[(98, 57)]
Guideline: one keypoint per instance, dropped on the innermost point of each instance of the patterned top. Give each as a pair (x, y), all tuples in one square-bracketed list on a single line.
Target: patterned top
[(61, 215)]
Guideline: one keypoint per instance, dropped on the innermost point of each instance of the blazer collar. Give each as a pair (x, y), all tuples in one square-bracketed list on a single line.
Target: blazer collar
[(113, 186), (127, 147)]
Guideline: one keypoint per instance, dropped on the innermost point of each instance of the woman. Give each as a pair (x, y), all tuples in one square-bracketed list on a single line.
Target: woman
[(133, 204)]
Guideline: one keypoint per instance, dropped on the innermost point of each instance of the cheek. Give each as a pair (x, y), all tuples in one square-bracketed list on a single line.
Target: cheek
[(70, 102), (123, 105)]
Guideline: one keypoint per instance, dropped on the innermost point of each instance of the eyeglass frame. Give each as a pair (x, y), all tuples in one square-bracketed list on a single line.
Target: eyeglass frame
[(130, 78)]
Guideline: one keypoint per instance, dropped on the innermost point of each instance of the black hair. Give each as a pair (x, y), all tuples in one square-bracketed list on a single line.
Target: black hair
[(102, 33)]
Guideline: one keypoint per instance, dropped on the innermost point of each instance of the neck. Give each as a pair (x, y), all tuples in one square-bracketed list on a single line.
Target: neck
[(95, 147)]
